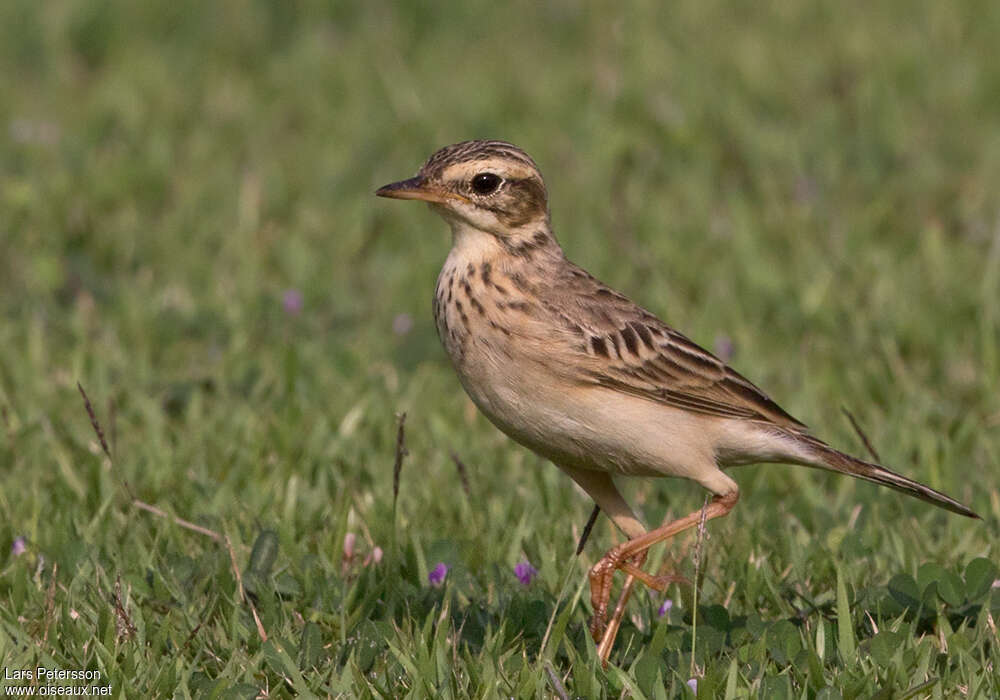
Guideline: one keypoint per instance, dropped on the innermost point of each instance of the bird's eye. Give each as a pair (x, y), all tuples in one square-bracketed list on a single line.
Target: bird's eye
[(486, 183)]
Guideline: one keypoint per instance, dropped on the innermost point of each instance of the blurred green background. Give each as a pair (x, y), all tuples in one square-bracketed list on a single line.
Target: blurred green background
[(187, 228)]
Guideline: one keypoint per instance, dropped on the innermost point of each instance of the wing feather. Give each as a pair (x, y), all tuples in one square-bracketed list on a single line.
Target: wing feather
[(635, 353)]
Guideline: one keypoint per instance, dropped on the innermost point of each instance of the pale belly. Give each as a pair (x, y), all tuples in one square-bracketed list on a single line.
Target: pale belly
[(590, 427)]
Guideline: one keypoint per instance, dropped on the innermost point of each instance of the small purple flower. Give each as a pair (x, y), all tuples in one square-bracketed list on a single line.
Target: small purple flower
[(665, 608), (19, 546), (437, 575), (692, 683), (291, 300), (525, 572), (724, 347), (402, 324)]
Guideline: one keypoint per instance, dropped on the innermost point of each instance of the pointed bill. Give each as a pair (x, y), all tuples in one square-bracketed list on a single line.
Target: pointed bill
[(417, 188)]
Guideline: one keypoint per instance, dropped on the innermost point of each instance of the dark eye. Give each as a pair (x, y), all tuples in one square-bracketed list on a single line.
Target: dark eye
[(486, 183)]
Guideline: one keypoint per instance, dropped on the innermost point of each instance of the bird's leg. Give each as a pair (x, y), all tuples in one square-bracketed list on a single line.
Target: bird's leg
[(623, 556)]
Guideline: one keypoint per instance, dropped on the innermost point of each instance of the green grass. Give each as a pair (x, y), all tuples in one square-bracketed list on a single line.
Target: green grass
[(816, 182)]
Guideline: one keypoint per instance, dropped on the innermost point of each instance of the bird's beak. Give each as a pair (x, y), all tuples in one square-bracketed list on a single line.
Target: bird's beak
[(417, 188)]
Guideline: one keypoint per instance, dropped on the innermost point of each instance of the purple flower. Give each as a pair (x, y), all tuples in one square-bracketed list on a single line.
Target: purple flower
[(437, 575), (19, 546), (724, 347), (525, 572), (692, 683), (291, 300), (402, 324), (665, 607)]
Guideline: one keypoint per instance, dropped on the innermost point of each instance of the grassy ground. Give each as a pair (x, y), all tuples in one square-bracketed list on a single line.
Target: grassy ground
[(812, 183)]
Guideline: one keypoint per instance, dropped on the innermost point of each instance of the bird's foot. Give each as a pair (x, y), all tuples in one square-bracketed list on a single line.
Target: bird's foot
[(602, 578)]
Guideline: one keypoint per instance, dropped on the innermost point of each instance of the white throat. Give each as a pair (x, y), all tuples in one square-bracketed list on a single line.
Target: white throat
[(470, 244)]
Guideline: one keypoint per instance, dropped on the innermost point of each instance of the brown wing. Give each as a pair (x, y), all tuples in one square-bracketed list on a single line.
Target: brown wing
[(636, 353)]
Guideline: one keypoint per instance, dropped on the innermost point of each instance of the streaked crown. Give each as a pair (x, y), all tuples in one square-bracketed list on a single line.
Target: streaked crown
[(478, 152)]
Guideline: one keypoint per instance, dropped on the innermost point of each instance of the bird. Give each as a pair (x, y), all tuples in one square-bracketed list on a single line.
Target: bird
[(581, 375)]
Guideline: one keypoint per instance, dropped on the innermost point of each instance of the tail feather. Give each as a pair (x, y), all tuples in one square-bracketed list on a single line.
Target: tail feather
[(834, 460)]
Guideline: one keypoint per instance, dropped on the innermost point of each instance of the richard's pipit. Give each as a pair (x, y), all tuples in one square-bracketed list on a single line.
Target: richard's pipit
[(576, 372)]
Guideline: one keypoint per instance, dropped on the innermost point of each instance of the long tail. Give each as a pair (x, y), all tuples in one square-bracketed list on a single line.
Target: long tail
[(834, 460)]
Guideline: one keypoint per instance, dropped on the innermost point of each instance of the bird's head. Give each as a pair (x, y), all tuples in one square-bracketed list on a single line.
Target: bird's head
[(488, 186)]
